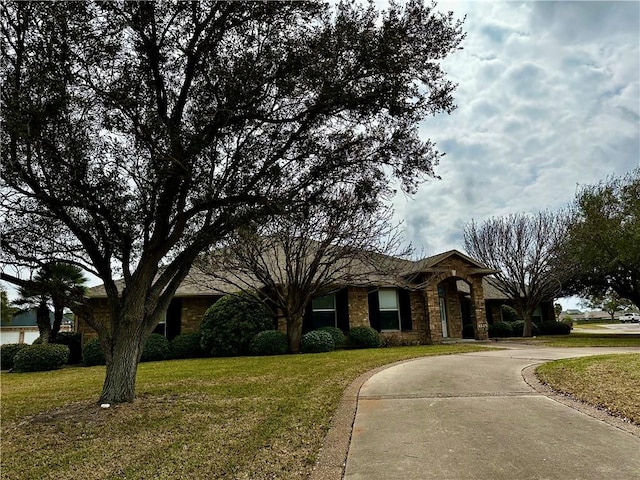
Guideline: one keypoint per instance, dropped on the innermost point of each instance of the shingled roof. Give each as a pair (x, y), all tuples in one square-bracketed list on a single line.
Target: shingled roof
[(198, 283)]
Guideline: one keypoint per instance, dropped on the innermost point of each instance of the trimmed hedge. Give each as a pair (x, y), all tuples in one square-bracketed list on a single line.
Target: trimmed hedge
[(500, 329), (317, 341), (186, 345), (364, 337), (73, 340), (269, 342), (230, 324), (338, 337), (8, 351), (555, 328), (40, 358), (92, 353), (156, 348), (517, 328)]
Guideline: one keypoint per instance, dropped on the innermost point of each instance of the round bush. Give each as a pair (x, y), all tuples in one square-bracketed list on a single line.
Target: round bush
[(269, 342), (8, 351), (555, 328), (317, 341), (336, 334), (230, 324), (92, 353), (39, 358), (364, 337), (186, 345), (156, 348), (517, 328), (500, 329)]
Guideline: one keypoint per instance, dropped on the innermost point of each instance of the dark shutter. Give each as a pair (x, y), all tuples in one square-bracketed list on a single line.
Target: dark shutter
[(342, 309), (174, 318), (404, 298), (307, 320), (374, 310)]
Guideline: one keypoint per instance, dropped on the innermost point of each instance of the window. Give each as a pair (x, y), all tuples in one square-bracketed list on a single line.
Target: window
[(161, 328), (389, 311), (324, 311)]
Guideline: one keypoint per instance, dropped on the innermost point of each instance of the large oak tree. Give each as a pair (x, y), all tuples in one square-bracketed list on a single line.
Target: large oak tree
[(602, 246), (136, 134)]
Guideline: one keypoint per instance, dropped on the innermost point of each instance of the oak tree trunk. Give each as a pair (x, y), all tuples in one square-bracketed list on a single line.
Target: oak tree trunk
[(294, 332), (122, 364)]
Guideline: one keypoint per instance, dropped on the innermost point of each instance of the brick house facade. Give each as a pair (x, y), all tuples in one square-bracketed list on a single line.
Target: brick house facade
[(440, 297)]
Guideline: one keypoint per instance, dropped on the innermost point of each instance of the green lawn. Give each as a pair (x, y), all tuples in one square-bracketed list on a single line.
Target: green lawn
[(240, 418), (608, 381), (577, 339)]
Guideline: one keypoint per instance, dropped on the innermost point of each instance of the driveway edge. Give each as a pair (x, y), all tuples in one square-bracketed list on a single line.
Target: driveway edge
[(332, 458), (530, 377)]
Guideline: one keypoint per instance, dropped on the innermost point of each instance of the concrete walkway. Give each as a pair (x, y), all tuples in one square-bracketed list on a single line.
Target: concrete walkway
[(473, 416)]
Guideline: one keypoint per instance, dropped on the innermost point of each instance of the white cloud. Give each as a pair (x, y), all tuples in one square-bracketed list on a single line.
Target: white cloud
[(548, 97)]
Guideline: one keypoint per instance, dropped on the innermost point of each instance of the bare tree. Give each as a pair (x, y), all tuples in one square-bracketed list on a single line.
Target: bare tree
[(137, 134), (522, 247), (311, 252)]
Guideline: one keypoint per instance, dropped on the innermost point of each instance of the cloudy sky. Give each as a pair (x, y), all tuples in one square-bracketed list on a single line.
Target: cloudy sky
[(548, 99)]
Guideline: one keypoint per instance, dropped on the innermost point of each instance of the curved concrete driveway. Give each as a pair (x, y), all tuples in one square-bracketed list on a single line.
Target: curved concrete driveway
[(473, 416)]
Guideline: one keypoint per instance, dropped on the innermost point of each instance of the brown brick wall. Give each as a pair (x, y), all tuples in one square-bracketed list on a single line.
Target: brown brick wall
[(358, 307), (193, 309)]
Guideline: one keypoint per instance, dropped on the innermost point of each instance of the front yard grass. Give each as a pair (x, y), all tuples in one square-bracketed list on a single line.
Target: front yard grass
[(577, 339), (611, 382), (240, 418)]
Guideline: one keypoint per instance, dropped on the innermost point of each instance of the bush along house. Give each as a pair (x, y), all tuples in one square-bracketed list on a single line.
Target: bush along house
[(446, 296)]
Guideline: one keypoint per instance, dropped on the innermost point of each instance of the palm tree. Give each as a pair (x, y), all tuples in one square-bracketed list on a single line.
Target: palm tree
[(58, 283)]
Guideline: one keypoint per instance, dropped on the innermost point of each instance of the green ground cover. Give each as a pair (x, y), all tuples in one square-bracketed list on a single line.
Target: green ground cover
[(240, 418), (611, 382)]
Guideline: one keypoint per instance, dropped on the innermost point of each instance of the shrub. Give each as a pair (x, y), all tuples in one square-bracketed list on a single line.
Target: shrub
[(364, 337), (500, 329), (555, 328), (73, 340), (509, 314), (230, 324), (92, 353), (157, 347), (8, 351), (317, 342), (517, 329), (186, 345), (269, 342), (39, 358), (336, 334)]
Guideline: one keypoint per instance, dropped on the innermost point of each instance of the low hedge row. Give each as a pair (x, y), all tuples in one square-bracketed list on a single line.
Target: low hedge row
[(516, 329), (157, 348)]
